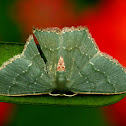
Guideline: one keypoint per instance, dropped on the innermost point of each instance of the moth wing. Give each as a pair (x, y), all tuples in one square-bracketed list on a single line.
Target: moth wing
[(25, 74), (50, 44), (77, 49), (101, 75), (87, 69)]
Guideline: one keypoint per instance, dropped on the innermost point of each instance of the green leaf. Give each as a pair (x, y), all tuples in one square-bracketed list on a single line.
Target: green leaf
[(8, 50)]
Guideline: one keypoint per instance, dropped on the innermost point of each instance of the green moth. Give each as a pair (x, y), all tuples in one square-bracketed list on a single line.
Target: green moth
[(67, 62)]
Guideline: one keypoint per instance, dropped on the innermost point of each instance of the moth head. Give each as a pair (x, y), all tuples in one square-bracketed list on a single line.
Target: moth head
[(61, 64)]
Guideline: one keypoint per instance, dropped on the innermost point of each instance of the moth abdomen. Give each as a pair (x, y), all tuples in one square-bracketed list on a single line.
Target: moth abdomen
[(60, 82)]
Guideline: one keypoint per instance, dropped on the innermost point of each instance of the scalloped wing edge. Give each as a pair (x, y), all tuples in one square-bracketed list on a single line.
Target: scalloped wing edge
[(18, 55)]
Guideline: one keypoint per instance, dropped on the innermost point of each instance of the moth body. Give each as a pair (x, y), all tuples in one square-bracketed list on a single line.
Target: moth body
[(60, 82)]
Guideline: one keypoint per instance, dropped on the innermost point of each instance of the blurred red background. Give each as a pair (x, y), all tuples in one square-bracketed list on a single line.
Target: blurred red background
[(105, 19)]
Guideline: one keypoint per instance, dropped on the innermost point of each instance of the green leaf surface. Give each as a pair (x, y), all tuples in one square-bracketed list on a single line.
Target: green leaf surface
[(8, 50)]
